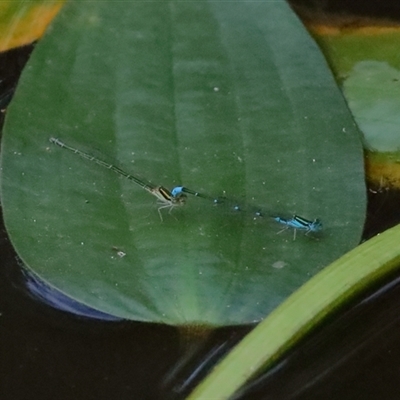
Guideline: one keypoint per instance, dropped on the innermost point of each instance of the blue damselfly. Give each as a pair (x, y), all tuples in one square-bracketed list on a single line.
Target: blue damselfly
[(165, 198), (300, 223), (296, 222)]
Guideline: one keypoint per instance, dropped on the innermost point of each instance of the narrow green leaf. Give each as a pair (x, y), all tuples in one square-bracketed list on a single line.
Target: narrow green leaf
[(288, 323), (231, 99)]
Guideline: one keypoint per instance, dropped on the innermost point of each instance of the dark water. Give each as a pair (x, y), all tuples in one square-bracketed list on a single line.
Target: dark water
[(47, 353), (387, 9)]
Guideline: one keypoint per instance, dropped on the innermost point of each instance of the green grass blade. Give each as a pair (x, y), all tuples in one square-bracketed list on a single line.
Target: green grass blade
[(288, 323)]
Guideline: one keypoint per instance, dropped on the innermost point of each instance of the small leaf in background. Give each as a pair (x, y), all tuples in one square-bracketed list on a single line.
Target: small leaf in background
[(373, 91), (22, 22), (367, 62), (229, 99)]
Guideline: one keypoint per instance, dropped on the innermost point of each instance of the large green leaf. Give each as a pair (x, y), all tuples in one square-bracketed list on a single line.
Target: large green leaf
[(228, 98)]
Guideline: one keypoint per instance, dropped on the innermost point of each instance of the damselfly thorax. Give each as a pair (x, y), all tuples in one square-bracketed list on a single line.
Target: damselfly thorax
[(166, 199)]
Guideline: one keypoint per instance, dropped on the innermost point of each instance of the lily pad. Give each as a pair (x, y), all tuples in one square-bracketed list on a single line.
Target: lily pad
[(230, 99), (373, 92), (366, 61)]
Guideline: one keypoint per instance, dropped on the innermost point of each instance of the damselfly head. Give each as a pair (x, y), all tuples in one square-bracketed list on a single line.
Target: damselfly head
[(316, 225)]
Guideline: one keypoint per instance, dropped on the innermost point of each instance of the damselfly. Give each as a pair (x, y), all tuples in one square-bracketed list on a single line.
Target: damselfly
[(300, 223), (165, 198), (296, 222)]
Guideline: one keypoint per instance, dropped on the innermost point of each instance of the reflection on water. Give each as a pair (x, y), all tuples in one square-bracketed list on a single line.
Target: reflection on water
[(60, 301)]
